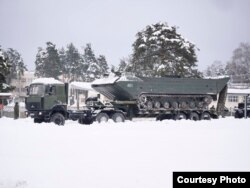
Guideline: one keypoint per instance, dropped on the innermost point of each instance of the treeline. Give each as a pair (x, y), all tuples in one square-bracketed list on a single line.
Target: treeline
[(158, 50), (11, 67), (238, 67), (68, 64)]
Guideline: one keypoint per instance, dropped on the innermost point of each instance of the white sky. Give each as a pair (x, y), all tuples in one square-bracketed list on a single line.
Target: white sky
[(215, 26)]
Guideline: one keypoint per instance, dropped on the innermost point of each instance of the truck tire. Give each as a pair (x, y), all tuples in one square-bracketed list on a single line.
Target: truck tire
[(205, 116), (58, 119), (118, 117), (180, 116), (194, 116), (102, 117)]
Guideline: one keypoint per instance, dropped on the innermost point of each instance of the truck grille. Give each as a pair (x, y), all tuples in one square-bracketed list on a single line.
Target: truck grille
[(33, 106)]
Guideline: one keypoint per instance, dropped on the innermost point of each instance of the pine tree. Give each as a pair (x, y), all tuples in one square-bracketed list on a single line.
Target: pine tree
[(4, 71), (90, 66), (17, 65), (48, 62), (40, 62), (63, 61), (102, 62), (159, 50), (73, 64)]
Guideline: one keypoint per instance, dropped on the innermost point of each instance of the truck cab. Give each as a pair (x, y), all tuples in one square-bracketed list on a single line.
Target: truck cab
[(47, 101)]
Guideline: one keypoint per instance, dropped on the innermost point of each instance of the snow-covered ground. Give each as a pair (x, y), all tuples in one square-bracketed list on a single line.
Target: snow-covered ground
[(138, 154)]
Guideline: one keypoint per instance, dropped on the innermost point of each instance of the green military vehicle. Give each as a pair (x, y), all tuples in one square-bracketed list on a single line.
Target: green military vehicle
[(47, 101), (130, 96), (174, 97)]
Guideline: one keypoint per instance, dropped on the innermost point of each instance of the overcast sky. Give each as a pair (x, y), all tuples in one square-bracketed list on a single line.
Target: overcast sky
[(216, 26)]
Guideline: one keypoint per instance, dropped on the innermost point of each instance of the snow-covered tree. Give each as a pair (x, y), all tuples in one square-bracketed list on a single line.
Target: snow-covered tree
[(90, 67), (17, 65), (63, 61), (4, 71), (217, 68), (94, 67), (48, 62), (73, 63), (239, 65), (159, 51), (125, 65), (102, 62), (40, 62)]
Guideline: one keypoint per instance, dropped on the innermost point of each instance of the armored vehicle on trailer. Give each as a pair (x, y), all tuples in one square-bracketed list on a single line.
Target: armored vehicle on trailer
[(177, 97)]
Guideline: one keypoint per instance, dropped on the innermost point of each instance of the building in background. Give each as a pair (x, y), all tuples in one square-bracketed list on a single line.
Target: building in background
[(237, 93), (20, 84)]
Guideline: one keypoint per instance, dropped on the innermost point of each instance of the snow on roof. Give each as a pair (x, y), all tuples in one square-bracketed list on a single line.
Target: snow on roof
[(5, 94), (106, 80), (81, 85), (238, 91), (217, 77), (46, 81)]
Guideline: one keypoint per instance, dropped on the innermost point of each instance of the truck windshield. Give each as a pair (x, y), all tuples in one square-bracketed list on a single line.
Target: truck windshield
[(37, 89)]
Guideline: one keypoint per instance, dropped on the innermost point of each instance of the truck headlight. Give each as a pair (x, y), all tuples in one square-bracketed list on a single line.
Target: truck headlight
[(40, 113)]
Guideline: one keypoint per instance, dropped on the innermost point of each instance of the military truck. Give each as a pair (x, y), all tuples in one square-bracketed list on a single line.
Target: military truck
[(130, 96), (47, 101)]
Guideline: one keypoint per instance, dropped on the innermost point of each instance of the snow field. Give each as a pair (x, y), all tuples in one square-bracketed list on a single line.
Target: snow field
[(139, 154)]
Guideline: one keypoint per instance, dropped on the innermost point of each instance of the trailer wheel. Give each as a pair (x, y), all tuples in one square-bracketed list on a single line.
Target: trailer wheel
[(194, 116), (205, 116), (118, 117), (58, 119), (180, 116), (102, 117)]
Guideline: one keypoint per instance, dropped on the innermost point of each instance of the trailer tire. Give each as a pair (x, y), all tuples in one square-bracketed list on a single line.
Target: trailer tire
[(194, 116), (205, 116), (102, 117), (180, 116), (118, 117), (57, 118)]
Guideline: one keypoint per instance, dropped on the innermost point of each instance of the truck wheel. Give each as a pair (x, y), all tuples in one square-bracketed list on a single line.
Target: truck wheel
[(118, 117), (205, 116), (102, 117), (180, 116), (194, 116), (58, 119)]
